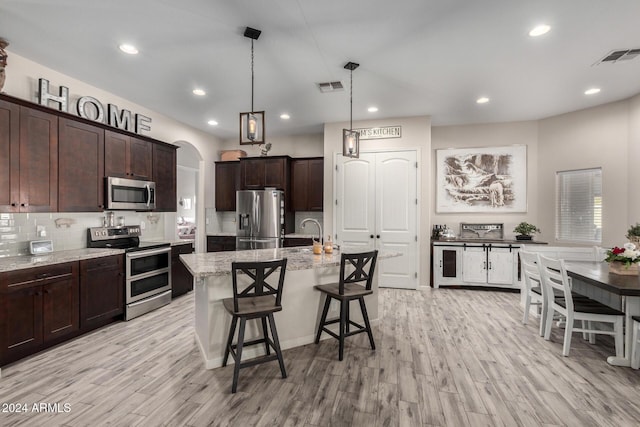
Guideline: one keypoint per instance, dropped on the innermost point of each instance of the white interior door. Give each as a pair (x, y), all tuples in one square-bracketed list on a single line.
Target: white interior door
[(376, 208), (396, 216), (355, 196)]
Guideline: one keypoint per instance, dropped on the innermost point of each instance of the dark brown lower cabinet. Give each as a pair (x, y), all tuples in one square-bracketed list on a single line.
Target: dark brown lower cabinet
[(291, 242), (101, 291), (39, 307), (221, 243), (181, 279)]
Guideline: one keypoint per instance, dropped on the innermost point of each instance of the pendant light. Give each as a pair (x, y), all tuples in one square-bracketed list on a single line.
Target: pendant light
[(350, 138), (252, 123)]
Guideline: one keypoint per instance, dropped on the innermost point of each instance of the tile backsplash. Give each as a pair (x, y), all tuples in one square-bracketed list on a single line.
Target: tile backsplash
[(66, 230)]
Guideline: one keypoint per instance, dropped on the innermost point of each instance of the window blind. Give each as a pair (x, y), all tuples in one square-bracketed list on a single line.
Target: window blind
[(579, 206)]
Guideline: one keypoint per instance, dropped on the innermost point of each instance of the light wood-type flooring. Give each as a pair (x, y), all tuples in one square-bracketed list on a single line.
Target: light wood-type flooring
[(446, 357)]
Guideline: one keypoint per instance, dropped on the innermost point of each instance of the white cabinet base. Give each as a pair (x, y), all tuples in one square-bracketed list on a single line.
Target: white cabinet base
[(475, 264)]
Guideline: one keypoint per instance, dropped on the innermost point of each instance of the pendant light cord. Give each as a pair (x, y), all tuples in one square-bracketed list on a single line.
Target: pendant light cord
[(351, 102), (251, 76)]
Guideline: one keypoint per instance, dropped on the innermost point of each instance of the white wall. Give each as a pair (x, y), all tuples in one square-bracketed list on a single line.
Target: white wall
[(595, 137), (633, 161), (416, 134), (490, 135), (309, 145)]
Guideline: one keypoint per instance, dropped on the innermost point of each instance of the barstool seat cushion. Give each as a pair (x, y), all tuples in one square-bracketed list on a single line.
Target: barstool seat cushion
[(257, 305), (351, 290)]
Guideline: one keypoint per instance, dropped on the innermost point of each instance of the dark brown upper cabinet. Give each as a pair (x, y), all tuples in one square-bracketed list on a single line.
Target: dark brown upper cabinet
[(81, 177), (28, 159), (226, 185), (127, 156), (164, 175), (307, 183), (257, 173)]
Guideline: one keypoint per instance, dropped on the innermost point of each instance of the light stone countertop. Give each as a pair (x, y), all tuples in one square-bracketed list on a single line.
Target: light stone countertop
[(175, 242), (58, 257), (300, 258)]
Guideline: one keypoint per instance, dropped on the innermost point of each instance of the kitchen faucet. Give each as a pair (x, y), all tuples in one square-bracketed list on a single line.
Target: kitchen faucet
[(304, 221)]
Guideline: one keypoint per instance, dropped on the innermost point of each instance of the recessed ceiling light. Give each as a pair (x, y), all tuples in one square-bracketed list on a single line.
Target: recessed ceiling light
[(128, 48), (199, 92), (285, 116), (539, 30), (372, 109), (212, 123), (592, 91), (482, 100)]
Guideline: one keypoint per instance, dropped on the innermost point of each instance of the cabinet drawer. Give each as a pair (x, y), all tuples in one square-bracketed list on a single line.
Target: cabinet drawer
[(102, 263), (34, 276)]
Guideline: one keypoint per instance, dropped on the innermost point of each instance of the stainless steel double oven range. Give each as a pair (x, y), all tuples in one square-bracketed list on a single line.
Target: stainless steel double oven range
[(147, 267)]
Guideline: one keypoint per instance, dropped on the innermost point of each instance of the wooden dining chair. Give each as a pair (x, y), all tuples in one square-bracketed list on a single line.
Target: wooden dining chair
[(356, 279), (560, 300), (532, 287), (635, 352), (257, 300)]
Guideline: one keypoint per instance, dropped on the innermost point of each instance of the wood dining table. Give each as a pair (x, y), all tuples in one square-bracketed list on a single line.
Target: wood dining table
[(627, 286)]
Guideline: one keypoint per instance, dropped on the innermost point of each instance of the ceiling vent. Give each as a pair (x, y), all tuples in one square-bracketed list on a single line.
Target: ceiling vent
[(330, 87), (619, 55)]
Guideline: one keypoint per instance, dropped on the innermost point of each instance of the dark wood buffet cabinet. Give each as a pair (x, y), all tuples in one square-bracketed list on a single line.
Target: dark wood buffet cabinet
[(51, 161)]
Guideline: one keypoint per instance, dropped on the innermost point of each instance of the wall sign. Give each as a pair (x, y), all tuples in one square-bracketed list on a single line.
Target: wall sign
[(385, 132), (90, 108)]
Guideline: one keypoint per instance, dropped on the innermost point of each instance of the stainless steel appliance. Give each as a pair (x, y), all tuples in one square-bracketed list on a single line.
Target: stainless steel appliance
[(260, 222), (130, 194), (147, 267)]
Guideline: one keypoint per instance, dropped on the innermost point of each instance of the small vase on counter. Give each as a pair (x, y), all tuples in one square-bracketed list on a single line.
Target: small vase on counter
[(328, 245)]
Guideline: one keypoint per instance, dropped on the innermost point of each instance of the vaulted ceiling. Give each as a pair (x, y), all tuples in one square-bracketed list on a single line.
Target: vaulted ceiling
[(417, 57)]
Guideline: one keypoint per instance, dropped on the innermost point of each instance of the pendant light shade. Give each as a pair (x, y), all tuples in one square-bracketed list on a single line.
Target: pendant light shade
[(252, 122), (350, 138)]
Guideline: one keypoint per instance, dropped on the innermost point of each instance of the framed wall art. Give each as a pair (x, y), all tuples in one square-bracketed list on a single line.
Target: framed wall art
[(487, 179)]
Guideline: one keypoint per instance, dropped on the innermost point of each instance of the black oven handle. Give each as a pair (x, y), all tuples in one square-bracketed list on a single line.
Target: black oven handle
[(146, 253)]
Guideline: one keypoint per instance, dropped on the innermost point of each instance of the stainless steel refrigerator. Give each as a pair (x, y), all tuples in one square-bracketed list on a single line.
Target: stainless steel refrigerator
[(260, 219)]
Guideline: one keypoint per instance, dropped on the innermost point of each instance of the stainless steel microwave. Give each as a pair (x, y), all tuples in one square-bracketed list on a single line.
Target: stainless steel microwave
[(130, 194)]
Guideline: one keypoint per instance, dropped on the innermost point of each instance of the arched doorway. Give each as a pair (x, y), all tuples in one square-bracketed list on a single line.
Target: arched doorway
[(189, 220)]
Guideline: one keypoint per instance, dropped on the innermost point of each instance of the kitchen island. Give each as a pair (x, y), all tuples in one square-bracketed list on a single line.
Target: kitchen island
[(301, 303)]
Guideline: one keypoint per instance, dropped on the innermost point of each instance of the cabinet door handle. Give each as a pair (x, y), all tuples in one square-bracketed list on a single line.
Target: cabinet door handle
[(440, 263), (24, 205), (377, 236), (371, 236), (14, 204), (43, 275), (489, 265), (484, 265)]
